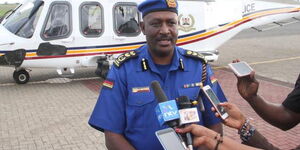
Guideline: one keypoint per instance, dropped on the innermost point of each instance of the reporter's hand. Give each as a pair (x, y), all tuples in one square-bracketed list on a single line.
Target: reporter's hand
[(202, 136), (247, 85), (236, 119), (206, 137)]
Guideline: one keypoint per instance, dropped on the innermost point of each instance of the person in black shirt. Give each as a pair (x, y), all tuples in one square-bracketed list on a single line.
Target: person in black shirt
[(284, 116)]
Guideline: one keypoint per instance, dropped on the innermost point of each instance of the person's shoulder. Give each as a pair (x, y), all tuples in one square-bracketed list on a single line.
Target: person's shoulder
[(191, 54), (124, 57)]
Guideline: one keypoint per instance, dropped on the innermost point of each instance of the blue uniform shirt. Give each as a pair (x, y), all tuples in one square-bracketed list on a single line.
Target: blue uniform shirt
[(126, 104)]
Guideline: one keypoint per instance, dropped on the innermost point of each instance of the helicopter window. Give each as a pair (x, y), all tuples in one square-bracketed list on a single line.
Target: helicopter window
[(91, 18), (126, 18), (22, 21), (58, 23)]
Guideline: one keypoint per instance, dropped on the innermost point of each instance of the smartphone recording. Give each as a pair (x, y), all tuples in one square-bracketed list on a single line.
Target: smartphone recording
[(241, 69), (169, 139), (210, 94)]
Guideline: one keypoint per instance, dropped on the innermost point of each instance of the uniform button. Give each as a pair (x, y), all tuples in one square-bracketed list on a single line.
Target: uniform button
[(139, 102)]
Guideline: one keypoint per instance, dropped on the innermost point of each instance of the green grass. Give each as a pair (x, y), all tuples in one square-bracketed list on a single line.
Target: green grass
[(6, 7)]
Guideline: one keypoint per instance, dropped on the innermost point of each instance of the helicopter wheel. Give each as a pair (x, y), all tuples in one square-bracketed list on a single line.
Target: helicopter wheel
[(21, 76)]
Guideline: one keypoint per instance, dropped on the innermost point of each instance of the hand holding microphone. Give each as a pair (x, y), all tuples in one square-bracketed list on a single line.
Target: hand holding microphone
[(188, 115), (202, 136), (167, 113)]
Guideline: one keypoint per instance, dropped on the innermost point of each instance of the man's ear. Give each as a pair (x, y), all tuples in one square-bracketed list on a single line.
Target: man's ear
[(142, 26)]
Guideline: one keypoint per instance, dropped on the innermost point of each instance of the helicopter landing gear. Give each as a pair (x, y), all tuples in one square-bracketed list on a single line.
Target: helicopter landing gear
[(21, 76), (103, 67)]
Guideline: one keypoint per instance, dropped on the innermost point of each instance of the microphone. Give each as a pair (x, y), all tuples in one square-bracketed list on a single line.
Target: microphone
[(187, 115), (186, 112), (166, 110), (158, 92), (200, 103)]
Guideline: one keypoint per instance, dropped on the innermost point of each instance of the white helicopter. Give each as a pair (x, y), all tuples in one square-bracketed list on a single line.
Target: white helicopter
[(68, 34)]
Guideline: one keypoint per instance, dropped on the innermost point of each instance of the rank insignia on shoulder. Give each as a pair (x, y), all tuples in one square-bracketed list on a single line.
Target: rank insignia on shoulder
[(123, 57), (196, 55), (108, 83)]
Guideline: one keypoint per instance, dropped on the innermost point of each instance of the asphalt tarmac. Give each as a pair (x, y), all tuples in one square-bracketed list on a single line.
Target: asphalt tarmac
[(273, 54)]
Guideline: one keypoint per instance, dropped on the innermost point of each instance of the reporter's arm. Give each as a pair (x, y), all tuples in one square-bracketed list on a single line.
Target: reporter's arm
[(259, 141), (237, 120), (114, 141), (275, 114), (209, 138), (217, 128), (227, 144)]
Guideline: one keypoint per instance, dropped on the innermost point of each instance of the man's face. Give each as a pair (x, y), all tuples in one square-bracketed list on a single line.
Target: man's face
[(161, 32)]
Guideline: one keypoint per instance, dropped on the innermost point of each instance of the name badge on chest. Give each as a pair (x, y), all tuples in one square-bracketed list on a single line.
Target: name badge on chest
[(140, 89)]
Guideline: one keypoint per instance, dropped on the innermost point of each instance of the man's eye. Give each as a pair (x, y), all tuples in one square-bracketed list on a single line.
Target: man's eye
[(155, 24), (172, 23)]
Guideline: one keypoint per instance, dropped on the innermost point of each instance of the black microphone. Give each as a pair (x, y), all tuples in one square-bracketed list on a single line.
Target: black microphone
[(158, 92), (187, 115), (200, 102), (166, 110), (184, 102)]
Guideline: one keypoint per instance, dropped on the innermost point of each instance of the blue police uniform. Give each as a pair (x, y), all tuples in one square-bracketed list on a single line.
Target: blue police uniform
[(126, 104)]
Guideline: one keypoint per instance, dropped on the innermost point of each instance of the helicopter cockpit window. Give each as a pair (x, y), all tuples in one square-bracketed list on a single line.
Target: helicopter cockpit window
[(23, 20), (58, 23), (91, 18), (126, 19)]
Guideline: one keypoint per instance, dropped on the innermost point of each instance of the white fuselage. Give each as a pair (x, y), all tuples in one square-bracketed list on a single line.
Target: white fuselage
[(203, 26)]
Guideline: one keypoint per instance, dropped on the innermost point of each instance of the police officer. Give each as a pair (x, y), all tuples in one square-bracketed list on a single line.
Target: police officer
[(125, 110)]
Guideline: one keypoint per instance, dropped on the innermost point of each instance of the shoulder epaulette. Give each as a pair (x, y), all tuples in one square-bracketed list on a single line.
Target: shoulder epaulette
[(124, 57), (196, 55)]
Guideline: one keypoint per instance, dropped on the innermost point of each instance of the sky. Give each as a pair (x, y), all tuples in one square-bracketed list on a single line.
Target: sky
[(10, 1)]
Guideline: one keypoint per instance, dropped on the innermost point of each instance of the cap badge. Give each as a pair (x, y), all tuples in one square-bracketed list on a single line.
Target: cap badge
[(171, 3)]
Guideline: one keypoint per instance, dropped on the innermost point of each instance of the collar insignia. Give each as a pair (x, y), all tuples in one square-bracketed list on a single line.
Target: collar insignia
[(181, 65), (144, 64)]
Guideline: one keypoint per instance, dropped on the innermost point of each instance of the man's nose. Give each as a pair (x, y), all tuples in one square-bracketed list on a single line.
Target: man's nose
[(164, 29)]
